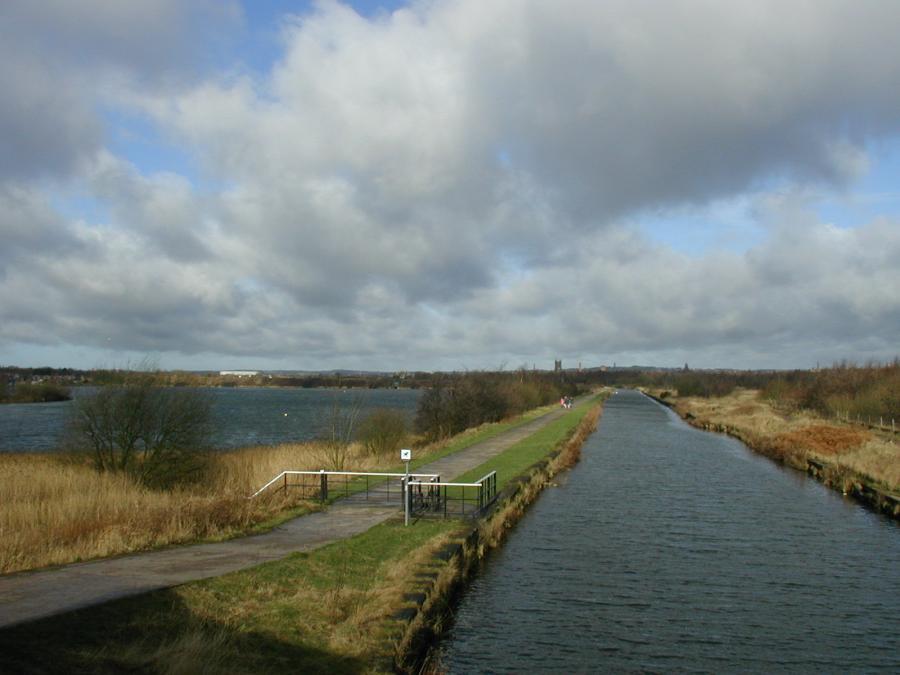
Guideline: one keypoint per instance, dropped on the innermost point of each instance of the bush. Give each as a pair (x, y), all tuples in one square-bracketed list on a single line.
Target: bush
[(383, 431), (25, 392), (459, 402), (155, 435)]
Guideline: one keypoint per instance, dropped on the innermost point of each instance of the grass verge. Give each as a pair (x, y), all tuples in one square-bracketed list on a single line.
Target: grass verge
[(329, 611), (526, 452)]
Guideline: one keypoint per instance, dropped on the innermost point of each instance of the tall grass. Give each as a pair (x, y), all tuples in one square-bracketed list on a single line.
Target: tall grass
[(56, 509), (799, 433)]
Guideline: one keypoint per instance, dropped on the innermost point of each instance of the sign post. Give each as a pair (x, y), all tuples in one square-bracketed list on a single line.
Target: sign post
[(406, 455)]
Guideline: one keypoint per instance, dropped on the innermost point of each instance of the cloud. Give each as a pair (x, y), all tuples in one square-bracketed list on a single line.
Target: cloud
[(446, 185), (61, 61)]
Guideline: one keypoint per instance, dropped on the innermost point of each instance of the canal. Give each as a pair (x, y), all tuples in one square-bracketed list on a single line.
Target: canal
[(671, 549)]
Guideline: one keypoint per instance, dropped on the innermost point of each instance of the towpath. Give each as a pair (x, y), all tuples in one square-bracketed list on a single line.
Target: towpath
[(28, 596)]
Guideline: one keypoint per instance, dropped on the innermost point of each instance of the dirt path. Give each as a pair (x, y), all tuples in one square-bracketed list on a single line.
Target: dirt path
[(32, 595)]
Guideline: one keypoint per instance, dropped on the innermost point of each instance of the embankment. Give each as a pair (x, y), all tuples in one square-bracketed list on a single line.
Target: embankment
[(431, 611), (774, 446)]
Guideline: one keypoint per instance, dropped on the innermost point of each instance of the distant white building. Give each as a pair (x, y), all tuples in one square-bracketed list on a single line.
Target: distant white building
[(239, 373)]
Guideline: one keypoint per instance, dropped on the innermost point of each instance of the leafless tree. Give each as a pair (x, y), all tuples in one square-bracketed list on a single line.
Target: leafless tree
[(338, 429), (155, 434)]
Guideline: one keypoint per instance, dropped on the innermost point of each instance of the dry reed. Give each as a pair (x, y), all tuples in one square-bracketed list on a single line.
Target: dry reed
[(54, 510), (800, 433)]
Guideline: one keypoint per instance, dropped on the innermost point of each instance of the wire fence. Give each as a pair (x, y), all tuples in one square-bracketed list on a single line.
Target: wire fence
[(880, 423)]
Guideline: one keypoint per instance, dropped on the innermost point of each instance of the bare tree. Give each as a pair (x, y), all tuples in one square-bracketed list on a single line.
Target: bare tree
[(338, 430), (154, 434)]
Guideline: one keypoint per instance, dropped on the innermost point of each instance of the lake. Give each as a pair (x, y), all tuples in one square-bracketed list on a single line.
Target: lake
[(241, 415)]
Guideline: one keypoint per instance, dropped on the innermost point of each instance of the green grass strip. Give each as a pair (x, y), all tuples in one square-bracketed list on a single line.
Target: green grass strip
[(320, 612), (460, 442), (516, 459)]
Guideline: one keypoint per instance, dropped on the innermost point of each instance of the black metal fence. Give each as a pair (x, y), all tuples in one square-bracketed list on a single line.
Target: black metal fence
[(452, 500)]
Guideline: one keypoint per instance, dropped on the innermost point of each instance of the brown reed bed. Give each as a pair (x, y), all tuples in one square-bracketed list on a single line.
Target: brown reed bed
[(795, 435), (56, 509)]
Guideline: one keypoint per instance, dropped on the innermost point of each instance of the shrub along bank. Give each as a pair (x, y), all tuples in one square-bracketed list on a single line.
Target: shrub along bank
[(25, 392), (458, 402), (366, 604)]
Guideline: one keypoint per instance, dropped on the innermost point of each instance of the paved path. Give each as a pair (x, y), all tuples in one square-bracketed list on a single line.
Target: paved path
[(32, 595)]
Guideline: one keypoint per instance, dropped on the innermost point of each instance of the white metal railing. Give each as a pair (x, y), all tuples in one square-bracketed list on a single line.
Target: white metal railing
[(323, 472), (477, 483)]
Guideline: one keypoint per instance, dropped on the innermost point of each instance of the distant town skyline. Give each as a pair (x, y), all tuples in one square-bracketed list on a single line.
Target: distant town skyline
[(448, 185)]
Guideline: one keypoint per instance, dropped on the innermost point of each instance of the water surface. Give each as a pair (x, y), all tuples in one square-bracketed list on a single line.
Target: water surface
[(670, 549), (241, 415)]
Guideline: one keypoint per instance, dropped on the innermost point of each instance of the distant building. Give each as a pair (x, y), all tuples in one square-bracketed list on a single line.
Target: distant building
[(239, 373), (557, 365)]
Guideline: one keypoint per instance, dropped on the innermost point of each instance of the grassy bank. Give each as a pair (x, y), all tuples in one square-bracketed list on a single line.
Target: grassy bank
[(55, 509), (795, 436), (344, 608), (526, 452)]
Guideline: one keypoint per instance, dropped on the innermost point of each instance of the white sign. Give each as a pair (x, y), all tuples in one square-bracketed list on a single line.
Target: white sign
[(405, 455)]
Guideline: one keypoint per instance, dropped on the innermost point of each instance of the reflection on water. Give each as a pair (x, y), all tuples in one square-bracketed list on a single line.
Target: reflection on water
[(242, 416), (670, 549)]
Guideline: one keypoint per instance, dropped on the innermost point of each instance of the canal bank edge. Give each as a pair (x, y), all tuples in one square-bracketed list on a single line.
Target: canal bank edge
[(431, 615), (845, 481)]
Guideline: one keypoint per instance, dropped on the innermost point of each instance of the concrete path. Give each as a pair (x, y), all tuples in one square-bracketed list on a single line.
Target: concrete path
[(32, 595)]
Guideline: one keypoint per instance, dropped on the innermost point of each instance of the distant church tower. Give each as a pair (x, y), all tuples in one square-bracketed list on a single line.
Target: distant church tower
[(557, 365)]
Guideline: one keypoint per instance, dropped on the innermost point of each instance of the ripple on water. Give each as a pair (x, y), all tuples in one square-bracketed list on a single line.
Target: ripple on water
[(670, 549)]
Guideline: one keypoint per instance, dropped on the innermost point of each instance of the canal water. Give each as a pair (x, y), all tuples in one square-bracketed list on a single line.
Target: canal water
[(242, 416), (668, 549)]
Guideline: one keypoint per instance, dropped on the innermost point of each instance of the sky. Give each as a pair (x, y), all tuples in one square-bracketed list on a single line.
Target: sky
[(449, 184)]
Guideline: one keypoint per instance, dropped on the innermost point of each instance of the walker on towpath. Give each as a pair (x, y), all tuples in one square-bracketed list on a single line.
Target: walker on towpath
[(28, 596)]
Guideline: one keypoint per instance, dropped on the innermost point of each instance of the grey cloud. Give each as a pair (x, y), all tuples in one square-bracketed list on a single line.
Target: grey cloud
[(517, 125), (152, 38), (46, 124), (442, 187), (727, 304), (61, 61), (30, 229), (626, 105), (162, 209)]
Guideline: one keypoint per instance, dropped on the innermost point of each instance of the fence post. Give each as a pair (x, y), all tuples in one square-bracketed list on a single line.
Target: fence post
[(323, 485), (285, 483)]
